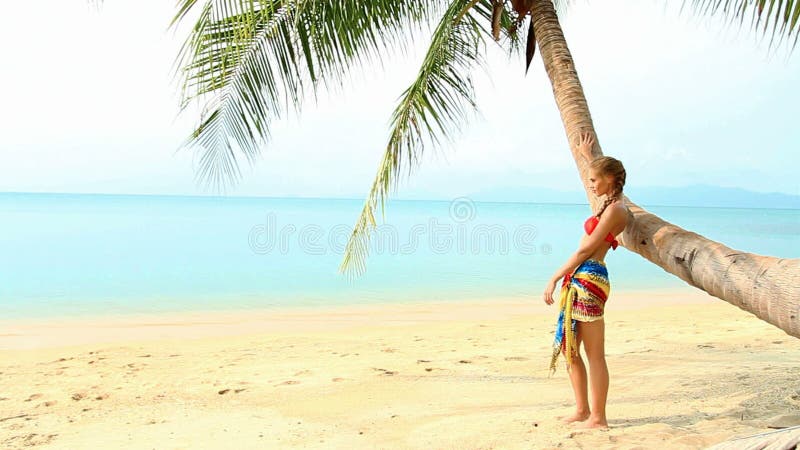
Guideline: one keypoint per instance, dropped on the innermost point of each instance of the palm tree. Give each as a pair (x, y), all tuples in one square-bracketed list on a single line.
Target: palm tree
[(249, 61)]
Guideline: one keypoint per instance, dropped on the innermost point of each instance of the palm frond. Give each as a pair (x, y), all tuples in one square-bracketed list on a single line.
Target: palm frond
[(433, 107), (248, 61), (774, 18), (502, 20), (511, 17)]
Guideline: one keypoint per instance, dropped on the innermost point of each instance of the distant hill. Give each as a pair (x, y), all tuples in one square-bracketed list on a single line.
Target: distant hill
[(698, 195), (705, 195)]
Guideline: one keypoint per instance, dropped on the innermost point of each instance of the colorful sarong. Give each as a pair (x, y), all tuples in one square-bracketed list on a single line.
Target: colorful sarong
[(583, 298)]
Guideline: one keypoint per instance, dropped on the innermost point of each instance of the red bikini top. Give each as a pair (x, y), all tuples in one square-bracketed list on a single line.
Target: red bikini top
[(590, 225)]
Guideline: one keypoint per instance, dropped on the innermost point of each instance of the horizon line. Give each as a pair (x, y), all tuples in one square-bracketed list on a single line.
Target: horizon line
[(432, 200)]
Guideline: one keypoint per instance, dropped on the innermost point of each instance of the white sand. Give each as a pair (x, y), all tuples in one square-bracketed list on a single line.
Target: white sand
[(686, 370)]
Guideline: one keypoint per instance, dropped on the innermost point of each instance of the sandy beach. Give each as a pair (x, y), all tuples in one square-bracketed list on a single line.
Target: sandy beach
[(687, 371)]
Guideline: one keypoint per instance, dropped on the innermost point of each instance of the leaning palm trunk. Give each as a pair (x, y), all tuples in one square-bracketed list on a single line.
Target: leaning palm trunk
[(766, 286)]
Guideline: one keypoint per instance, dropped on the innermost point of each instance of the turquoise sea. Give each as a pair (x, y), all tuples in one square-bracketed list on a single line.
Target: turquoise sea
[(76, 254)]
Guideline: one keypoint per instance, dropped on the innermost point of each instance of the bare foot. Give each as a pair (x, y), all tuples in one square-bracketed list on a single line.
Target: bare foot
[(576, 417), (593, 423)]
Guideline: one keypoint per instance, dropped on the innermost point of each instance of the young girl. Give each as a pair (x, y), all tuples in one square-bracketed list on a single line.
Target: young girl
[(585, 288)]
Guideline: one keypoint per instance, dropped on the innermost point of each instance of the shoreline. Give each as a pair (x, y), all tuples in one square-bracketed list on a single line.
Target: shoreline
[(222, 303), (62, 331)]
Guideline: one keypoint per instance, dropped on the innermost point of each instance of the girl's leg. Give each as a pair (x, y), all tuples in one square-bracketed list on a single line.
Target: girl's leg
[(593, 337), (577, 377)]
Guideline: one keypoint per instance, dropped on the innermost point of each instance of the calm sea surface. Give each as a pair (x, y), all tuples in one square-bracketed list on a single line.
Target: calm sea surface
[(68, 254)]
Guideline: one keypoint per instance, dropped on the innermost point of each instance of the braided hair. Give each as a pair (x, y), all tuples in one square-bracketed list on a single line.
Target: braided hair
[(606, 165)]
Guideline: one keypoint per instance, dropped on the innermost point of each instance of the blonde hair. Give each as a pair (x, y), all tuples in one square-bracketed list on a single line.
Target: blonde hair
[(605, 166)]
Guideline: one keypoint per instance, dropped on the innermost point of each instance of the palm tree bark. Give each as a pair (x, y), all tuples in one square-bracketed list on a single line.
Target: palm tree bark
[(766, 286)]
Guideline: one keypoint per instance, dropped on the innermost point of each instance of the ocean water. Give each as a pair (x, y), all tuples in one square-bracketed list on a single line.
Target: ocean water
[(74, 254)]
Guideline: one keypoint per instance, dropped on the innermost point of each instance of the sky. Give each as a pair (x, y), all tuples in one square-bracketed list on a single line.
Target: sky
[(90, 105)]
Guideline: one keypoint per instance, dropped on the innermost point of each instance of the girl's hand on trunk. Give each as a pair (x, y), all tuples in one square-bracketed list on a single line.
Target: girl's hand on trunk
[(585, 144)]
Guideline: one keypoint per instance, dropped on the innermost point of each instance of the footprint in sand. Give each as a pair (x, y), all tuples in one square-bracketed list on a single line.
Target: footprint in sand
[(34, 439), (302, 372), (385, 372), (289, 382), (337, 379), (423, 361), (516, 358), (465, 361), (33, 397)]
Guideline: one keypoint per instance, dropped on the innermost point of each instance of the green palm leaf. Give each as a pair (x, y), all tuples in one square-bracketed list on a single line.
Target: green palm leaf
[(434, 106), (776, 18), (248, 61)]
